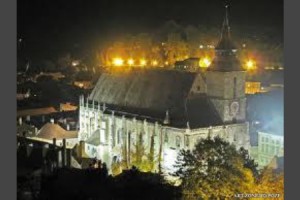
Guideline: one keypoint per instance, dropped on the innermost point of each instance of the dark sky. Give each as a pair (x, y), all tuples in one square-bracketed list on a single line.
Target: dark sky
[(63, 22)]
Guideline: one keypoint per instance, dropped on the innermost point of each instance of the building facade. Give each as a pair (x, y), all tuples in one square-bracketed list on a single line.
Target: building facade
[(270, 145), (168, 110)]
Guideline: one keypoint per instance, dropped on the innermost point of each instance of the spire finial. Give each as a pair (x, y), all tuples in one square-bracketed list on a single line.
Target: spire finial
[(226, 14)]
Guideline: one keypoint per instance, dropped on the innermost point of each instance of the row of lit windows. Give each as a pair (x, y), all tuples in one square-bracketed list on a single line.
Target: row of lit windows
[(266, 139), (269, 149)]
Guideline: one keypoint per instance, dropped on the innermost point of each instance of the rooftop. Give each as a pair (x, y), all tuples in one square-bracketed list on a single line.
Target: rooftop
[(50, 131)]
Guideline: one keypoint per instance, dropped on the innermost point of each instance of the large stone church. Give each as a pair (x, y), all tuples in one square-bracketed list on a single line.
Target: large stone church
[(168, 108)]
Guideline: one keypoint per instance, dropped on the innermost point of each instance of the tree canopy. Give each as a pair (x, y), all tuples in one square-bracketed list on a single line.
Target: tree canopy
[(215, 169)]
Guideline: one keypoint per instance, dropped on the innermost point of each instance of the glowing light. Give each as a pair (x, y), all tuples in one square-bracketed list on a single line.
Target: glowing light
[(166, 63), (250, 64), (118, 62), (204, 62), (143, 62), (75, 63), (154, 62), (130, 62), (201, 46)]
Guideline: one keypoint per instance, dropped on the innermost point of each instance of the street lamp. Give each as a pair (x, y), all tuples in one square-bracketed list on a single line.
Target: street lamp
[(250, 64)]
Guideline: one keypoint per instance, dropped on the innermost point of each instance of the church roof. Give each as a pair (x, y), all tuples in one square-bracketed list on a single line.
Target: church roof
[(151, 93)]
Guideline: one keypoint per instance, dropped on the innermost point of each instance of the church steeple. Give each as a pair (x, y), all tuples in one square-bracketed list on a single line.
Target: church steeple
[(225, 41), (225, 51)]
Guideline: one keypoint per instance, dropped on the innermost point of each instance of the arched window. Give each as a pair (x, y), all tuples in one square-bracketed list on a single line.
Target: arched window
[(119, 137), (166, 138)]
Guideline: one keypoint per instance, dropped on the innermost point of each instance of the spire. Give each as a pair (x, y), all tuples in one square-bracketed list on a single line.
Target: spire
[(225, 40), (225, 51)]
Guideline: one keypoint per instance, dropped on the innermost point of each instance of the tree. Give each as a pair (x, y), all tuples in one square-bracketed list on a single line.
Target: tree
[(176, 48), (270, 182), (213, 170), (248, 162)]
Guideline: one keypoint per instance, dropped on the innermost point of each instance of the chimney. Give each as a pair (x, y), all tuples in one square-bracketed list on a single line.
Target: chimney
[(20, 121), (52, 121)]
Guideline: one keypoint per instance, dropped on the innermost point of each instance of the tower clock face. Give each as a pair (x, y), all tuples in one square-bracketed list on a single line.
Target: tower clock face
[(234, 108)]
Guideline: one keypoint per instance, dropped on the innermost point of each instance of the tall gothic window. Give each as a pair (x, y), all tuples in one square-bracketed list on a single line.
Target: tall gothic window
[(119, 137), (187, 141), (113, 134), (166, 138), (234, 87)]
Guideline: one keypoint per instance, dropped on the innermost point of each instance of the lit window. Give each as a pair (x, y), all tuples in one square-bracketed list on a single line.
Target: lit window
[(277, 142), (272, 150), (277, 150)]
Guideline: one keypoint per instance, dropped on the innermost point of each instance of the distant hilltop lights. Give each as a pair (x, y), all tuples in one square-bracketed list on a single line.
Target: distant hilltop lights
[(249, 64), (118, 62)]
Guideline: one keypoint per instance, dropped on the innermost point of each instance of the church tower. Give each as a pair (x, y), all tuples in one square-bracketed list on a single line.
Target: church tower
[(226, 79)]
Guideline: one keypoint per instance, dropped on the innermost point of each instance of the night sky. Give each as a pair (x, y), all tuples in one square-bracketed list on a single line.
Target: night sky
[(57, 24)]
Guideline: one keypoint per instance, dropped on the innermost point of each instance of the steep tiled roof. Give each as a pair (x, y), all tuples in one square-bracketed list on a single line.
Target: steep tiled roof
[(150, 93)]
